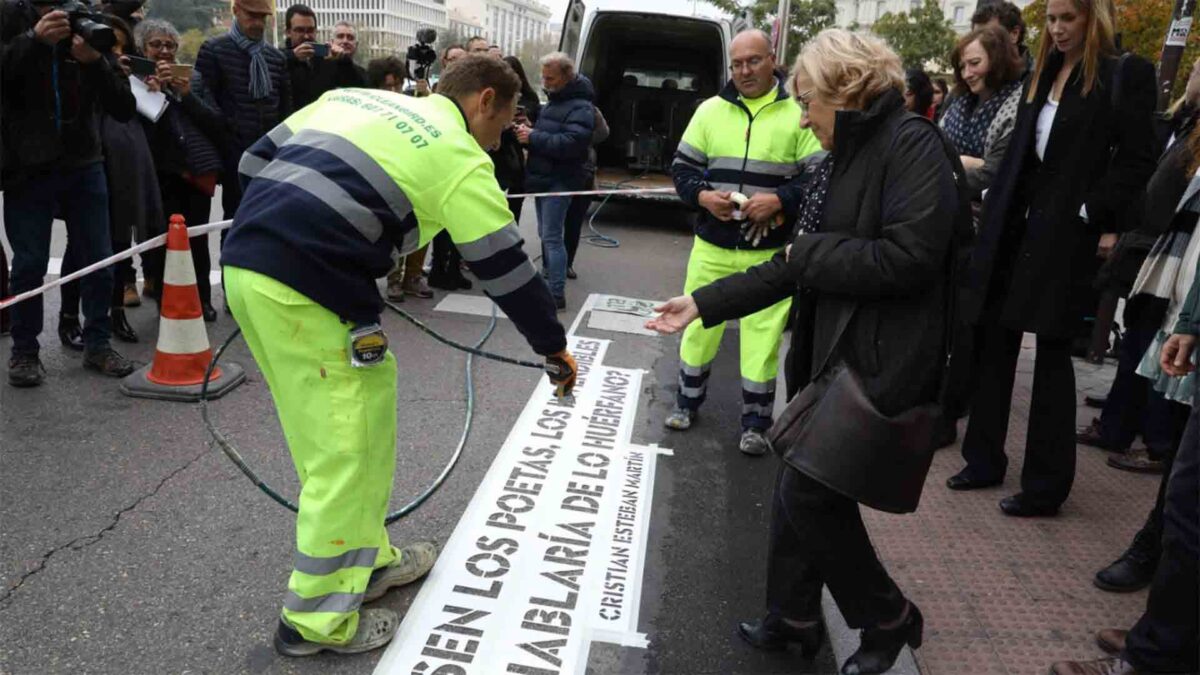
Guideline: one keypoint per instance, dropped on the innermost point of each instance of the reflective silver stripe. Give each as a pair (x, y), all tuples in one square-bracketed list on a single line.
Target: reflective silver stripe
[(758, 387), (491, 244), (361, 162), (251, 164), (756, 409), (687, 162), (359, 557), (692, 153), (342, 603), (754, 166), (507, 283), (748, 190), (280, 134), (692, 392), (695, 371), (319, 186)]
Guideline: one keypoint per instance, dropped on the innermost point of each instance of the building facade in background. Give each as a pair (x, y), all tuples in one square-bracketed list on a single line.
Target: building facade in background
[(385, 27), (507, 23), (462, 25), (864, 13)]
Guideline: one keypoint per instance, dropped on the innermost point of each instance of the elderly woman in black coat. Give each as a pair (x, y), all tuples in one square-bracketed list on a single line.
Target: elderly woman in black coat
[(867, 272), (1081, 152)]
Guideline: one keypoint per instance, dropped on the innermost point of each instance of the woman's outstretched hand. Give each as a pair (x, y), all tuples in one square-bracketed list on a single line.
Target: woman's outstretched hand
[(674, 315)]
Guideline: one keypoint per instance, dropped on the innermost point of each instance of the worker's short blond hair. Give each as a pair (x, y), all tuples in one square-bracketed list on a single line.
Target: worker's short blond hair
[(846, 69)]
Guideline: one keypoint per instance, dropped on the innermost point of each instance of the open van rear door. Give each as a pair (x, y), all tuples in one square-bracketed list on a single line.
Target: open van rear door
[(572, 29)]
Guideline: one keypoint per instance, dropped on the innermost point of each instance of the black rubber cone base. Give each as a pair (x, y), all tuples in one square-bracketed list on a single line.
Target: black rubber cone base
[(136, 385)]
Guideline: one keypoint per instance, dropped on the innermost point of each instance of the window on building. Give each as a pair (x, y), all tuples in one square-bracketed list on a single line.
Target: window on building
[(959, 14)]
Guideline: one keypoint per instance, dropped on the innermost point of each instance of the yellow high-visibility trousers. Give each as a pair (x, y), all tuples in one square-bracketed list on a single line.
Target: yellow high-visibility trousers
[(340, 425), (759, 339)]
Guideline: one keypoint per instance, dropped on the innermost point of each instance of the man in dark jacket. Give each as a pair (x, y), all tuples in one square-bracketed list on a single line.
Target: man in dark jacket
[(55, 88), (313, 74), (246, 79), (558, 149)]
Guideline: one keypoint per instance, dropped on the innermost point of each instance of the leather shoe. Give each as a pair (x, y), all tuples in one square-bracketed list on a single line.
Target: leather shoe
[(1091, 436), (878, 649), (120, 326), (1112, 665), (965, 481), (773, 634), (1020, 506), (1134, 570), (69, 332), (208, 312), (1137, 461), (1112, 640)]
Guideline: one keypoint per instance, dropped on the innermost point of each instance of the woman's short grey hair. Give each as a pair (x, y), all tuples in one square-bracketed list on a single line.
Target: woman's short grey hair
[(847, 69), (148, 28), (564, 63)]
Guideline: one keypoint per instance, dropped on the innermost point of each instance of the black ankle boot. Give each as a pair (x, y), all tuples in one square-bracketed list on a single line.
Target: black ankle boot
[(120, 326), (880, 647), (1134, 570), (69, 332), (774, 634)]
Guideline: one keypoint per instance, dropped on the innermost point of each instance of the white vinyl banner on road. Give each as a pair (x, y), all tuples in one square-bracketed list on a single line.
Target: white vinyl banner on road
[(548, 556)]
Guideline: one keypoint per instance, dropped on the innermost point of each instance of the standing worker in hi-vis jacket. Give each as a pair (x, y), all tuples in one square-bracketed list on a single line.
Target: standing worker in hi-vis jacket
[(740, 147), (329, 193)]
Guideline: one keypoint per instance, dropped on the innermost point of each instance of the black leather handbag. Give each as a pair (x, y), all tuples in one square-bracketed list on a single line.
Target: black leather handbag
[(833, 433)]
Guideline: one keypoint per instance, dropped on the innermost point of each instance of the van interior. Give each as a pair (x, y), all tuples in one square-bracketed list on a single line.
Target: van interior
[(650, 72)]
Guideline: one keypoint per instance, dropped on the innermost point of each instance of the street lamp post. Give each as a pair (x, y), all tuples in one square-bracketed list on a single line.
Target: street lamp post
[(1173, 46)]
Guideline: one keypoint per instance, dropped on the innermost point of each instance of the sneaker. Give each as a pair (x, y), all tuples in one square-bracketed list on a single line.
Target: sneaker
[(130, 297), (1137, 461), (680, 419), (417, 287), (753, 443), (414, 562), (108, 362), (25, 371), (395, 290), (376, 628)]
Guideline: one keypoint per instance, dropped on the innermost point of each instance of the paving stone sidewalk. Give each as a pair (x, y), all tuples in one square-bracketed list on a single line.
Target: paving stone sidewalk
[(1008, 595)]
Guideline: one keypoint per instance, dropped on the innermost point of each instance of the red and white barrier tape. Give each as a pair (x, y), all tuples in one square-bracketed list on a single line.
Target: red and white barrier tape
[(198, 230)]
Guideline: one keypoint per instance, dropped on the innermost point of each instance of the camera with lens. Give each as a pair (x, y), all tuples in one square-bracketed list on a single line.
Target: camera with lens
[(422, 54), (86, 22)]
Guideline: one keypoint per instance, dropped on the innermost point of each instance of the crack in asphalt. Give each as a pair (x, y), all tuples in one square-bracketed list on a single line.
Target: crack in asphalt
[(82, 542)]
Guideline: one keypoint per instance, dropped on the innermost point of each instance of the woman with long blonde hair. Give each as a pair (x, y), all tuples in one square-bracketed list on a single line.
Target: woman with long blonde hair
[(1080, 154)]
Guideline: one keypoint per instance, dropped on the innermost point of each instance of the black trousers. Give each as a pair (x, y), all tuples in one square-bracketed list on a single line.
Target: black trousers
[(123, 273), (818, 539), (1167, 637), (573, 226), (1050, 441), (180, 196), (445, 260)]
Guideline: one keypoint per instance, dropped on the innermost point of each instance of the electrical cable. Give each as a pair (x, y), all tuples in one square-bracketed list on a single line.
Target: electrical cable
[(232, 453), (597, 238)]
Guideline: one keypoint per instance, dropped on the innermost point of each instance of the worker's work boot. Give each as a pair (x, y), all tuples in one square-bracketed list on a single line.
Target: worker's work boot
[(376, 627), (753, 443), (680, 419), (414, 562)]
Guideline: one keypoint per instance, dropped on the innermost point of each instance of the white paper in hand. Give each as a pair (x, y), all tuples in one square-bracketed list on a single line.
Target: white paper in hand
[(151, 104)]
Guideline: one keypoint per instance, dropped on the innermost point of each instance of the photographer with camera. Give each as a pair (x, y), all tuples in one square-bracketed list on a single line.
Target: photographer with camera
[(316, 68), (55, 83)]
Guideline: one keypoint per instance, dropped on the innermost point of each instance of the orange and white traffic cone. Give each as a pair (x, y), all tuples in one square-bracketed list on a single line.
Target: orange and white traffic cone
[(182, 354)]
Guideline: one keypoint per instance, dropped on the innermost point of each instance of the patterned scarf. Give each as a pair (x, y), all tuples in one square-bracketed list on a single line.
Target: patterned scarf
[(967, 121), (813, 210), (260, 76)]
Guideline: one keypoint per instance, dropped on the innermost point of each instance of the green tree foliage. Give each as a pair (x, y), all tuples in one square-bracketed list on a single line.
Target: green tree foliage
[(187, 14), (808, 17), (923, 37)]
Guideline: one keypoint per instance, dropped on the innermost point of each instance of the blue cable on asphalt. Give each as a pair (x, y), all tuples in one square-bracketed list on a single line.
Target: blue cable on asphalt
[(472, 351)]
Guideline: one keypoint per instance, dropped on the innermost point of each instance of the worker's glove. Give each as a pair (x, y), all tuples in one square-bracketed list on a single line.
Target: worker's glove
[(560, 368)]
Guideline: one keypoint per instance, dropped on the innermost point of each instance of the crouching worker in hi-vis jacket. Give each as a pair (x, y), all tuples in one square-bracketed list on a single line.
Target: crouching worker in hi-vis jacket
[(328, 194)]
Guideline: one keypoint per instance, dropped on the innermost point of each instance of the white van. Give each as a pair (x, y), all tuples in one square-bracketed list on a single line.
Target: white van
[(651, 69)]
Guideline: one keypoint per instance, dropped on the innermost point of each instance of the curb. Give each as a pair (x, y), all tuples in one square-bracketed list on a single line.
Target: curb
[(844, 640)]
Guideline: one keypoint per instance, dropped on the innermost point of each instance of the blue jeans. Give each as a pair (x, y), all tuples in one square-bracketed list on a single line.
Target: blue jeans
[(81, 197), (552, 218)]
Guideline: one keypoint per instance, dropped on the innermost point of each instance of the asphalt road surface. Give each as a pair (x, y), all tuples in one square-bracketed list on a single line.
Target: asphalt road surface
[(128, 545)]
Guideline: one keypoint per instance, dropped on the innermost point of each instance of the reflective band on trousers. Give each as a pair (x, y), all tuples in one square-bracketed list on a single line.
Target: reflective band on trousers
[(695, 371), (757, 387), (329, 192), (359, 557), (341, 603), (756, 409)]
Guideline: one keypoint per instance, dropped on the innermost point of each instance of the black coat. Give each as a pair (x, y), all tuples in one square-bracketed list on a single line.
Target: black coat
[(316, 76), (1031, 273), (561, 138), (870, 287)]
